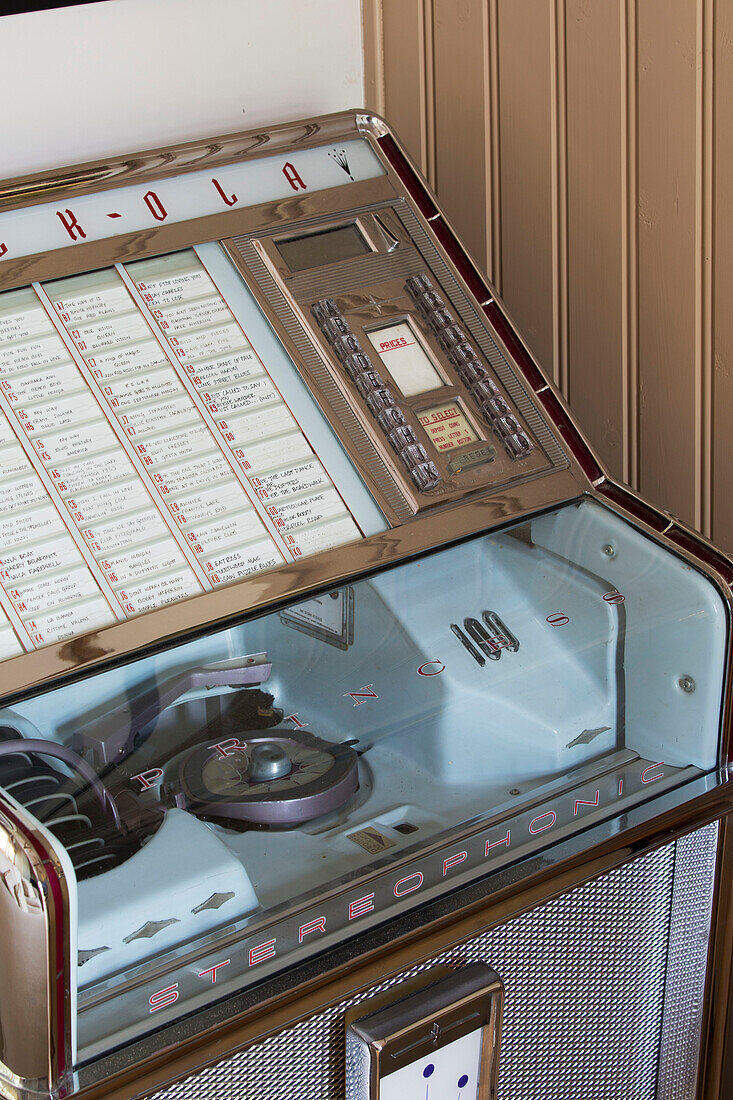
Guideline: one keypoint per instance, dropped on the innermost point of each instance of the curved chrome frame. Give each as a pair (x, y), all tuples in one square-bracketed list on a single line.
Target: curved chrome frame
[(36, 1004)]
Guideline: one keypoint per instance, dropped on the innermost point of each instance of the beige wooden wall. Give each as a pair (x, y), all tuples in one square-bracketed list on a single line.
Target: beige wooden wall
[(584, 149)]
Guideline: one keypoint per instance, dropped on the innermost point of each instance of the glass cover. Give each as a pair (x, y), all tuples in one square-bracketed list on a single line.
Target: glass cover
[(259, 794)]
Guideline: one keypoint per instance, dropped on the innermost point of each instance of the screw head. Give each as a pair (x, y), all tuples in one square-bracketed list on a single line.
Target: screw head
[(609, 550), (687, 684)]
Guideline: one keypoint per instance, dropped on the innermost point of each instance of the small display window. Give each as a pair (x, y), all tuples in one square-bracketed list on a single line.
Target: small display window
[(342, 242), (405, 358), (446, 426)]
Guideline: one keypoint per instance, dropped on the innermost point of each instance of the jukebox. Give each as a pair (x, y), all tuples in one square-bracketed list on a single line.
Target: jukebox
[(359, 737)]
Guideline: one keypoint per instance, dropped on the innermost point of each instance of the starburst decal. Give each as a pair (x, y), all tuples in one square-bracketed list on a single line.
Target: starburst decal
[(339, 155)]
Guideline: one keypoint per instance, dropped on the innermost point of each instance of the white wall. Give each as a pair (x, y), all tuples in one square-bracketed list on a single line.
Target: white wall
[(83, 82)]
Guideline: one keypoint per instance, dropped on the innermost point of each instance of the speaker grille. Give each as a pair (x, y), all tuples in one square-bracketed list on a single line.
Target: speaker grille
[(604, 989)]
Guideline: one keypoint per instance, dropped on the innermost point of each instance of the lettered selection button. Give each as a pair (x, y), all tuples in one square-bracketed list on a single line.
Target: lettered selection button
[(324, 310), (413, 455), (402, 437), (335, 327), (369, 381), (418, 285), (379, 400), (425, 476), (344, 346), (391, 418), (356, 364)]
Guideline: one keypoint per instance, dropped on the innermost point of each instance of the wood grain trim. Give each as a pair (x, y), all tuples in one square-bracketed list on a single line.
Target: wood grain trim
[(704, 237), (493, 147), (427, 21), (722, 283), (373, 47), (630, 242), (559, 154), (404, 63)]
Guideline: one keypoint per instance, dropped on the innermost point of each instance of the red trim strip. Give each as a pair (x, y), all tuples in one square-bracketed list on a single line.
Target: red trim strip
[(533, 375), (476, 283), (660, 522), (703, 553), (641, 511), (413, 184), (570, 434)]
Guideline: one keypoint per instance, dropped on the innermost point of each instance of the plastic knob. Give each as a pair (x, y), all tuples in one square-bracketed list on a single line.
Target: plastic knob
[(268, 760)]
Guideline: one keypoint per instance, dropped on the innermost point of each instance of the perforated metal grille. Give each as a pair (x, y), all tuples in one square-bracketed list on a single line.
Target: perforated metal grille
[(586, 977)]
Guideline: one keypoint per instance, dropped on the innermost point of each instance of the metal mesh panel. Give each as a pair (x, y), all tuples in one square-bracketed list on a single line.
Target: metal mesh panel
[(687, 959), (586, 977)]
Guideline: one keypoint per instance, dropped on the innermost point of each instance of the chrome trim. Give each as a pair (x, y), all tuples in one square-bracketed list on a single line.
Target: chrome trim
[(149, 164), (36, 1026), (561, 793), (408, 1025)]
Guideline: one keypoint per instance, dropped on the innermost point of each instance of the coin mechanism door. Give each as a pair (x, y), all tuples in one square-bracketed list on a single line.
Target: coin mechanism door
[(439, 1041)]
